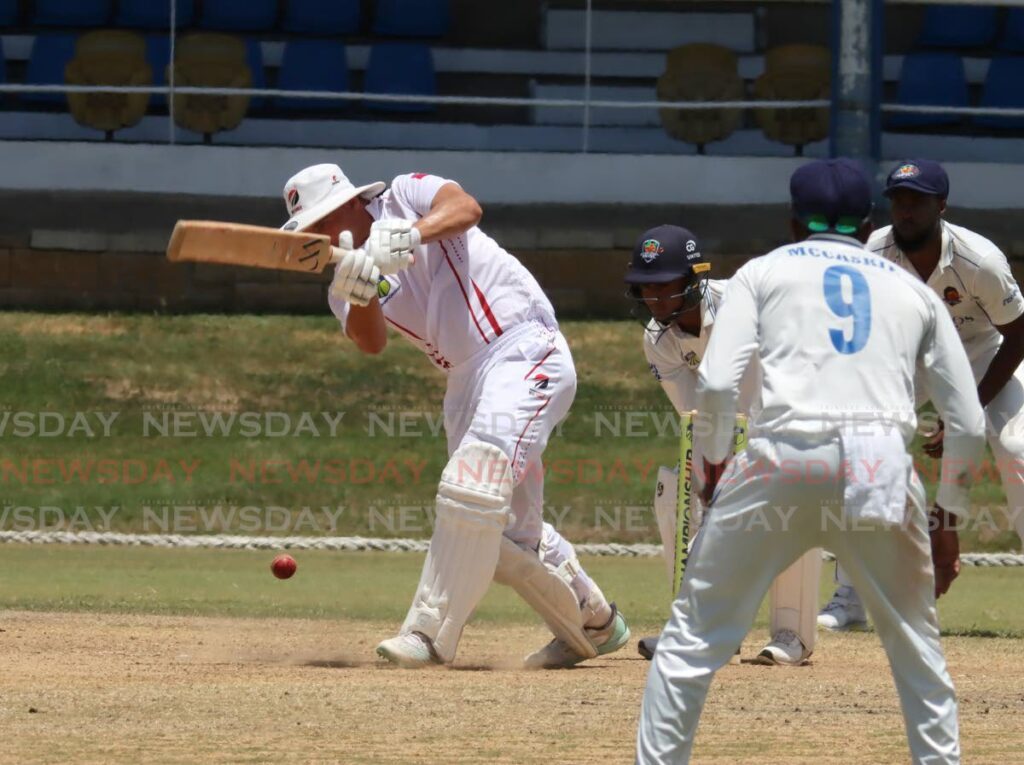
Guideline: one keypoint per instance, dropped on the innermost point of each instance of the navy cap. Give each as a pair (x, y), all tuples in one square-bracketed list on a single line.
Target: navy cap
[(665, 253), (921, 175), (831, 188)]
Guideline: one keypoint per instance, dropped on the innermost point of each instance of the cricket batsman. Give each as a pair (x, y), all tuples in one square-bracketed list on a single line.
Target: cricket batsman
[(415, 261), (972, 277), (668, 277), (838, 332)]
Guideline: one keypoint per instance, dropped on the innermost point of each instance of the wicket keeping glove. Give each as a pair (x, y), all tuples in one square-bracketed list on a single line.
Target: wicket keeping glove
[(391, 244)]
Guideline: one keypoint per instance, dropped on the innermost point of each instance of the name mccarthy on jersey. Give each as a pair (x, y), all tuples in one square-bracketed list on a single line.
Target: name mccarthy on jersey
[(803, 250)]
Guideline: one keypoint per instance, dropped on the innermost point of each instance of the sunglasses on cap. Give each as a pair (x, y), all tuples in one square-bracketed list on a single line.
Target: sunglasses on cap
[(844, 224)]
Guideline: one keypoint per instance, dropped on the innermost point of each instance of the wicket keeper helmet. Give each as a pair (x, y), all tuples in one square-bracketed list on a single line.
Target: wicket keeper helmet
[(664, 254)]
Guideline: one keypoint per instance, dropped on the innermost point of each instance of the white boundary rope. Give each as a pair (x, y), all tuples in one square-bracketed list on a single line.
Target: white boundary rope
[(358, 544)]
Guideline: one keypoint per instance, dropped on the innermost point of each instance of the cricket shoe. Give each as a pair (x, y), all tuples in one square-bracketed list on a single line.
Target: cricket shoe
[(648, 645), (409, 651), (559, 655), (785, 648), (843, 612)]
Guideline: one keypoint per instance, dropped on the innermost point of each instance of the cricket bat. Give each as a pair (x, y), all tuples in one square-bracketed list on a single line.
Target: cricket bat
[(685, 498), (238, 244), (684, 508)]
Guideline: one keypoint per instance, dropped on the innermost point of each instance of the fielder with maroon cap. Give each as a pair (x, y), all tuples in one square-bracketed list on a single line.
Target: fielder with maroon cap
[(415, 261), (838, 333), (668, 278)]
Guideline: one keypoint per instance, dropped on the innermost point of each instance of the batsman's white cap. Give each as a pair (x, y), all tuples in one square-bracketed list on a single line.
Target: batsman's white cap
[(317, 191)]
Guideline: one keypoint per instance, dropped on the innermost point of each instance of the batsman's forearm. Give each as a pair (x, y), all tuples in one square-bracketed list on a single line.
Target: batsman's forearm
[(366, 327)]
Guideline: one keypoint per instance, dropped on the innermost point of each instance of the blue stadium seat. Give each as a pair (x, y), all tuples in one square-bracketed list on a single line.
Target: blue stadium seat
[(71, 13), (958, 26), (930, 79), (239, 15), (50, 54), (400, 68), (254, 58), (322, 17), (1013, 30), (9, 13), (313, 65), (411, 18), (158, 55), (3, 66), (1003, 88), (154, 14)]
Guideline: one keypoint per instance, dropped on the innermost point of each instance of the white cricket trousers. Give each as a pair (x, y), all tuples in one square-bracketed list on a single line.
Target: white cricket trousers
[(513, 397), (756, 527), (1004, 429), (1004, 420)]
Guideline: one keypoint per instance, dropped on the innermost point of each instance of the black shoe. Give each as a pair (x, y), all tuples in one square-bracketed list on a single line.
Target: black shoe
[(647, 646)]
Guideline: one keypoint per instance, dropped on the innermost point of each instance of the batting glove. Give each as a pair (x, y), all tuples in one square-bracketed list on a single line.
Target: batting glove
[(391, 244), (355, 278)]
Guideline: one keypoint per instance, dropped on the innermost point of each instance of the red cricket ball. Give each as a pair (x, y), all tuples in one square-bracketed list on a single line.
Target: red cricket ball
[(283, 566)]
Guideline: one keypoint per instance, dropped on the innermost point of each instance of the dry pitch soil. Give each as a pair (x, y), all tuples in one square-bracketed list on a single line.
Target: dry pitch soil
[(80, 687)]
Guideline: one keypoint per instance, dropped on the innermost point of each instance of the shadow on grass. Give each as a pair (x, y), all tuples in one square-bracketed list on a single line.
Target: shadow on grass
[(976, 632)]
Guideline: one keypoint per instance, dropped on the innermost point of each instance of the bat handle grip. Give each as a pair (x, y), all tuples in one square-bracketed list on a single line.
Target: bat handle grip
[(337, 253)]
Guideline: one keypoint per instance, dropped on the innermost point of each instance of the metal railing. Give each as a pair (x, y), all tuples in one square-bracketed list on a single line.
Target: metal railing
[(326, 95)]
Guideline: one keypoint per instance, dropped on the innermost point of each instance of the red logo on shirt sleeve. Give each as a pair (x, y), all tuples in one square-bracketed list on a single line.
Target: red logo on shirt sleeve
[(419, 176)]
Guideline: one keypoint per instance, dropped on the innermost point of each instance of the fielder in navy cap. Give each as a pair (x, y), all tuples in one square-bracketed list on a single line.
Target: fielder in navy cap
[(831, 196), (917, 191), (971, 275), (922, 175)]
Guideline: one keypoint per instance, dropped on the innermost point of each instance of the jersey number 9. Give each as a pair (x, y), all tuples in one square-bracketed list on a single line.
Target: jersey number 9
[(848, 297)]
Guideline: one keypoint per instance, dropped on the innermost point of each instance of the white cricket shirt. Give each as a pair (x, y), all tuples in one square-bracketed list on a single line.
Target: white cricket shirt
[(974, 280), (460, 294), (674, 356), (839, 332)]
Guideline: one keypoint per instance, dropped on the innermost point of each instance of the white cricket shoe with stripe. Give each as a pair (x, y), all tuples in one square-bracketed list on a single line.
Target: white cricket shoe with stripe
[(410, 650)]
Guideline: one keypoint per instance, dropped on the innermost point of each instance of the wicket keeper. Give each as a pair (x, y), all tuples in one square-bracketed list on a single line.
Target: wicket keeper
[(668, 278)]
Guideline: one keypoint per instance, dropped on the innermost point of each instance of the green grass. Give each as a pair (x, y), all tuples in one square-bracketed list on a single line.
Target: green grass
[(378, 586), (601, 464), (151, 367)]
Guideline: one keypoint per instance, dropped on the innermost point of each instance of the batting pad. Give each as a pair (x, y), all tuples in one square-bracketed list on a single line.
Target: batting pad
[(548, 590), (473, 503), (794, 598)]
